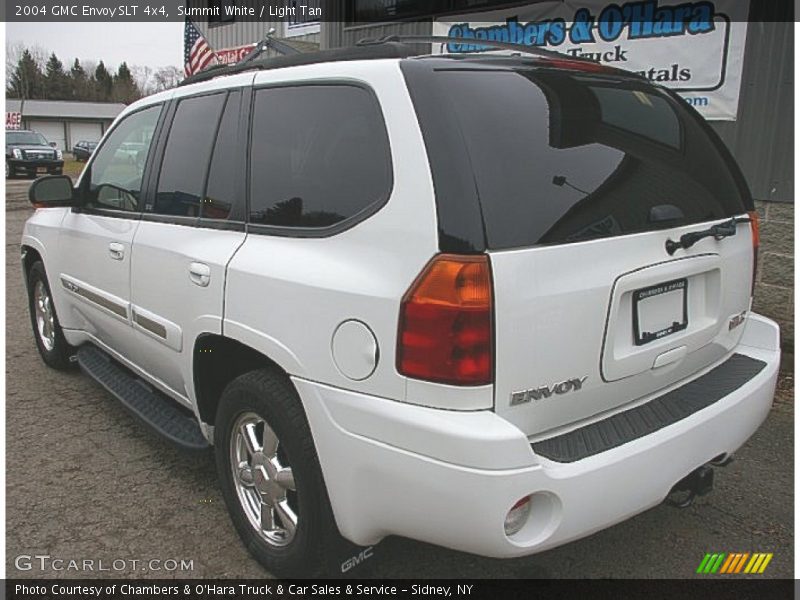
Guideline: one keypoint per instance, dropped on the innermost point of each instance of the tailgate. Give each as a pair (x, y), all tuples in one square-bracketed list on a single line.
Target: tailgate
[(571, 321), (582, 175)]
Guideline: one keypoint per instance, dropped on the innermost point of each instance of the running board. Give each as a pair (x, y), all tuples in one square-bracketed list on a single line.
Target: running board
[(152, 407)]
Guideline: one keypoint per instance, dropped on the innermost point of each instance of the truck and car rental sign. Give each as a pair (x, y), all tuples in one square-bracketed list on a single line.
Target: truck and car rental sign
[(695, 48)]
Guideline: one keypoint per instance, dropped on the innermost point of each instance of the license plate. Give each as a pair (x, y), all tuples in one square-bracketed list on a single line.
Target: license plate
[(660, 310), (41, 169)]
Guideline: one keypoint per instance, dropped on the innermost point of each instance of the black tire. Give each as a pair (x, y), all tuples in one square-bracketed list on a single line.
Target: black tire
[(57, 357), (317, 548), (9, 171)]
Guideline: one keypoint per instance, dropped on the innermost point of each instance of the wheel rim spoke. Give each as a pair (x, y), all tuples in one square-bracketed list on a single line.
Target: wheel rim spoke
[(267, 518), (250, 438), (245, 474), (285, 478), (288, 518), (270, 444)]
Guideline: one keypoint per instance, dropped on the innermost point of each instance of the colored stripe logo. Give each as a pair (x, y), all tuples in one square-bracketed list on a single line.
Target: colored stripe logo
[(734, 563)]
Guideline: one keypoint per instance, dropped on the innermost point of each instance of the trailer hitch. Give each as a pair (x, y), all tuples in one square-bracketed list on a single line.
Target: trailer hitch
[(697, 483)]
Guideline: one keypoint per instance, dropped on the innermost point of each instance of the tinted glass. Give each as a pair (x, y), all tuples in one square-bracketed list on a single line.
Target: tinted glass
[(223, 185), (20, 138), (562, 156), (188, 149), (320, 154), (115, 177)]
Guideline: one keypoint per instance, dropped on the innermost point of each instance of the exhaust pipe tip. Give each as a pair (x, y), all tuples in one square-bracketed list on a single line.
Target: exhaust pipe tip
[(723, 460), (697, 483)]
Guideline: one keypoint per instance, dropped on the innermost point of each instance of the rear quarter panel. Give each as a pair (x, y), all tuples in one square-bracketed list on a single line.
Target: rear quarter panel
[(286, 296)]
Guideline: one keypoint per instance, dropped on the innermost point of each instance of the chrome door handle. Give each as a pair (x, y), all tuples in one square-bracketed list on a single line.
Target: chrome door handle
[(116, 250), (200, 274)]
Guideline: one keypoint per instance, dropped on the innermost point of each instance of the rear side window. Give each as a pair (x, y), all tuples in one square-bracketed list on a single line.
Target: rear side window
[(319, 156), (188, 150), (561, 156)]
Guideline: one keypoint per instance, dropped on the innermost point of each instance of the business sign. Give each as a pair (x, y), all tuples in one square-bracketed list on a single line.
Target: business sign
[(228, 56), (13, 120), (695, 48)]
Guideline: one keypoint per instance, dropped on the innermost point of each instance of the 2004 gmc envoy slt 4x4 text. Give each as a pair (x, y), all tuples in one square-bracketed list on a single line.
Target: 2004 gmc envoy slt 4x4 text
[(447, 297)]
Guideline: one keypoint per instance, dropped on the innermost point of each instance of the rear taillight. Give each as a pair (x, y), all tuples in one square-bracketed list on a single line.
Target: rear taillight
[(445, 332), (756, 240)]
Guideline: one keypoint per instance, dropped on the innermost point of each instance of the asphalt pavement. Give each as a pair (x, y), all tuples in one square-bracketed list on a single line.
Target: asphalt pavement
[(87, 482)]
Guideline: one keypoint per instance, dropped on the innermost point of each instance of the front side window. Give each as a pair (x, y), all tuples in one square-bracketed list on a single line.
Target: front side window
[(320, 155), (115, 177), (186, 156)]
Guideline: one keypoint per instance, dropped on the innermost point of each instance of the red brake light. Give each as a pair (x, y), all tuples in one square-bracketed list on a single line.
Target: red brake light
[(756, 241), (586, 66), (446, 330)]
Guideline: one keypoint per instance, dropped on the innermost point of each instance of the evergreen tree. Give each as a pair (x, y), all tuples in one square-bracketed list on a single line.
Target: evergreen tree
[(27, 80), (79, 84), (104, 83), (125, 88), (56, 83)]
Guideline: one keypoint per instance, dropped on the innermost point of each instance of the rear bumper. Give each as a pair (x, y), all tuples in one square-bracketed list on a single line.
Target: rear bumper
[(449, 478)]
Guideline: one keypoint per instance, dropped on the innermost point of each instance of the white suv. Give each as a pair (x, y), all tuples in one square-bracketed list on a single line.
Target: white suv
[(491, 302)]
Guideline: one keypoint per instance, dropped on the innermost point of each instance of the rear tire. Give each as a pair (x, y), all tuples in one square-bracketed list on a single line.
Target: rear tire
[(269, 471), (9, 171), (53, 348)]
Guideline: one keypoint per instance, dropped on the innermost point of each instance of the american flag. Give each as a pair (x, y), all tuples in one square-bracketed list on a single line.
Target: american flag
[(197, 54)]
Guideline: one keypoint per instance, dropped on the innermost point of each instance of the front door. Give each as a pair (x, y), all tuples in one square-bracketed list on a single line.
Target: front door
[(94, 247)]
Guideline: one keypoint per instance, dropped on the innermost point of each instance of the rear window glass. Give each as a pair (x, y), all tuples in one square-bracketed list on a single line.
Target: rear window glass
[(563, 157)]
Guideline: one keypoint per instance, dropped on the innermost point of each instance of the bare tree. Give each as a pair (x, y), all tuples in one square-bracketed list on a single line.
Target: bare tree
[(14, 51), (165, 78), (143, 76), (40, 55)]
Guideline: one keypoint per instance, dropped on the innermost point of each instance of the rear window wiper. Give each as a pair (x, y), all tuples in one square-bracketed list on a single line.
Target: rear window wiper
[(718, 232)]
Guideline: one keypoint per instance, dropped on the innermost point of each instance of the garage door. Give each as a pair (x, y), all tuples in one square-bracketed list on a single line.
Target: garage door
[(87, 132), (52, 130)]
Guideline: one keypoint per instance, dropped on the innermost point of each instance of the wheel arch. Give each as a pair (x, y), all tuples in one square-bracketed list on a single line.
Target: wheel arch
[(30, 255), (217, 360)]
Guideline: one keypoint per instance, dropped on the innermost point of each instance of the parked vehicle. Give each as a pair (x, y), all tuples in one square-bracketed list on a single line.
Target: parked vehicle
[(491, 302), (83, 150), (30, 153)]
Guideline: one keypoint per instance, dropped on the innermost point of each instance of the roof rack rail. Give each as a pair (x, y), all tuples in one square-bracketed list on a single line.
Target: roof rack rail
[(446, 39), (386, 50), (268, 42)]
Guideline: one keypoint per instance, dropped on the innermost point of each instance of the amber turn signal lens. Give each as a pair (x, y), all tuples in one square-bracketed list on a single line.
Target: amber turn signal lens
[(446, 333)]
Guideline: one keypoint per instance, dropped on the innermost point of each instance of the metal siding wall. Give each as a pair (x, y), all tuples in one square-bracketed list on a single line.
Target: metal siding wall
[(761, 138), (239, 33), (336, 34)]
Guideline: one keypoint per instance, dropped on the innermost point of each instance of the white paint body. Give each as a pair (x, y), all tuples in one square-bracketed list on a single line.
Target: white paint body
[(438, 463)]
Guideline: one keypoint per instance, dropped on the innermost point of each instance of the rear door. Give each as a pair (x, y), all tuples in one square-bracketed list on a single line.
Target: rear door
[(582, 179), (191, 226)]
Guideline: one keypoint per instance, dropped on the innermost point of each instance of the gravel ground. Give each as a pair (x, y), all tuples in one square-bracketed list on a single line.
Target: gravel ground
[(85, 481)]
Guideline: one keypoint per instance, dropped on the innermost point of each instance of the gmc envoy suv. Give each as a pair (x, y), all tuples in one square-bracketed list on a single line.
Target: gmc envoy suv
[(495, 301)]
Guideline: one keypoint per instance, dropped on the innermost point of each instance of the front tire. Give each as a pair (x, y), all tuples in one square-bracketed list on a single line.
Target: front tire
[(53, 348), (271, 479)]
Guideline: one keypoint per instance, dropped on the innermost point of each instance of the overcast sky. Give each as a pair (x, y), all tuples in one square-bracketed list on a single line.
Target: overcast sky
[(142, 44)]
